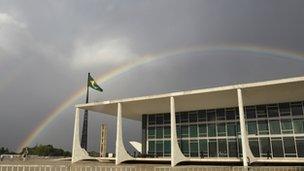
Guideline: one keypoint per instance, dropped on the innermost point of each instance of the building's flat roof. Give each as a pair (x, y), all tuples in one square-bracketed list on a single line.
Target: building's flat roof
[(273, 91)]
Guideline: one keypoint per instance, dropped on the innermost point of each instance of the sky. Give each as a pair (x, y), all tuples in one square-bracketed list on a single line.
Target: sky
[(47, 47)]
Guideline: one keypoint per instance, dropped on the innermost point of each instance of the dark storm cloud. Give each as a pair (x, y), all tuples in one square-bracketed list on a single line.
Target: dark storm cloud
[(47, 47)]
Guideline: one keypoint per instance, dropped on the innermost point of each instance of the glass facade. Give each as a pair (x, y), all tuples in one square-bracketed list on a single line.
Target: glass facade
[(274, 130)]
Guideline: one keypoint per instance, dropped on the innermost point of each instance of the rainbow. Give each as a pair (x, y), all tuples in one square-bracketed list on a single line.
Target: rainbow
[(146, 59)]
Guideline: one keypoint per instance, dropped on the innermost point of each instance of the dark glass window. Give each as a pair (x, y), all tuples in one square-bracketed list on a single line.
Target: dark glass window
[(300, 146), (185, 147), (212, 148), (159, 132), (194, 148), (298, 125), (193, 130), (240, 147), (203, 148), (159, 148), (263, 127), (252, 127), (184, 132), (222, 147), (211, 130), (211, 115), (178, 131), (277, 147), (160, 119), (231, 129), (221, 129), (184, 117), (152, 119), (261, 111), (167, 118), (232, 146), (230, 113), (193, 116), (220, 114), (284, 109), (202, 116), (265, 147), (167, 148), (151, 147), (275, 127), (177, 118), (202, 130), (254, 146), (151, 132), (250, 112), (296, 108), (167, 131), (273, 110), (289, 146), (286, 126), (237, 114)]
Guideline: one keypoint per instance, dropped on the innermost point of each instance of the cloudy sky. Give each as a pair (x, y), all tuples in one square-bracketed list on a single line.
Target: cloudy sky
[(48, 46)]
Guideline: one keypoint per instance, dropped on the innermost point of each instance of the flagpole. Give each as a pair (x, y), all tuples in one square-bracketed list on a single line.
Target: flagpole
[(84, 137)]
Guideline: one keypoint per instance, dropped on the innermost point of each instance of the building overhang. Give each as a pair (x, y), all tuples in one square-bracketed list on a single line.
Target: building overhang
[(265, 92)]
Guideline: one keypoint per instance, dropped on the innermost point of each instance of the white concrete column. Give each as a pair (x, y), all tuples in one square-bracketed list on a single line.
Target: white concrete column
[(121, 153), (247, 154), (176, 154), (78, 153)]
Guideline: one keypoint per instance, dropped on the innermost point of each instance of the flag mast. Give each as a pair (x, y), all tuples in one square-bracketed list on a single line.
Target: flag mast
[(84, 136)]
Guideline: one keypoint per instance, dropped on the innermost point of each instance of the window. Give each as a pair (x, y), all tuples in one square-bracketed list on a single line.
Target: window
[(289, 146), (211, 115), (194, 148), (254, 146), (151, 145), (211, 130), (231, 129), (184, 117), (300, 146), (203, 148), (286, 126), (275, 127), (220, 114), (159, 148), (167, 148), (232, 147), (265, 147), (177, 118), (167, 118), (221, 129), (167, 132), (184, 132), (250, 112), (202, 115), (185, 147), (261, 111), (252, 127), (222, 147), (159, 119), (263, 127), (159, 132), (230, 113), (284, 109), (202, 130), (296, 108), (212, 148), (277, 147), (273, 110), (298, 125), (151, 132), (240, 149), (193, 116), (152, 119), (193, 130), (178, 131)]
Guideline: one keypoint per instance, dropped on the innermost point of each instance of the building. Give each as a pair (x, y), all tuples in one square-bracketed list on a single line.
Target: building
[(263, 121)]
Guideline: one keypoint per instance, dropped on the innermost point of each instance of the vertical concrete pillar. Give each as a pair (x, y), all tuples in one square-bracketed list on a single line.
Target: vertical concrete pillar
[(247, 154), (176, 154), (121, 153), (78, 153)]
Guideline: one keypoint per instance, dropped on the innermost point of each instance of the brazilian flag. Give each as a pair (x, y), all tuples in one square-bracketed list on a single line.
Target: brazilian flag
[(92, 83)]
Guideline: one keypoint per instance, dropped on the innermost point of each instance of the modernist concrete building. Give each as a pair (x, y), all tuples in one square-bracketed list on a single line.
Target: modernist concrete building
[(258, 122)]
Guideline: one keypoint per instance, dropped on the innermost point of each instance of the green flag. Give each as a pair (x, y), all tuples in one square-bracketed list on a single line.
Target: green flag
[(93, 84)]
